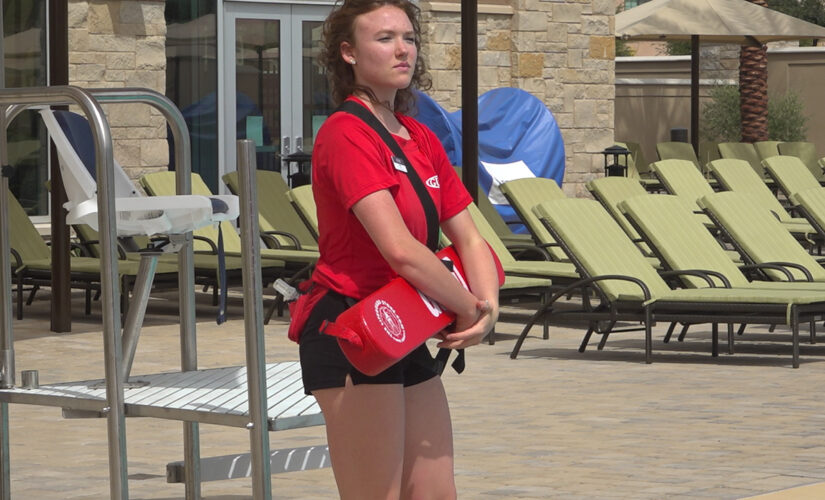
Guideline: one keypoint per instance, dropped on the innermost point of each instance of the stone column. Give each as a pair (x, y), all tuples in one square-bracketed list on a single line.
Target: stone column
[(562, 52), (122, 43)]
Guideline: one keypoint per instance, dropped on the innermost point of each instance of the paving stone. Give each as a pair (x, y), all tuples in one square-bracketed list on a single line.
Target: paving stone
[(554, 423)]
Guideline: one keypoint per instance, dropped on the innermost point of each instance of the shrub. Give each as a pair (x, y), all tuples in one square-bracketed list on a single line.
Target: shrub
[(678, 48), (721, 119), (786, 121), (623, 49)]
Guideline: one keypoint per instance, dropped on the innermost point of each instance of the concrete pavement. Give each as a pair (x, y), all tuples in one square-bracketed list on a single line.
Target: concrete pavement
[(555, 423)]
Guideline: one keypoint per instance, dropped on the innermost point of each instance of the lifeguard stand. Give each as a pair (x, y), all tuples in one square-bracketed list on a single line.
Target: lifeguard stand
[(273, 393)]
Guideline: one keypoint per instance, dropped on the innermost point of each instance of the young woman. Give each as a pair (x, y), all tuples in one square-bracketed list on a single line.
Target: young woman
[(389, 435)]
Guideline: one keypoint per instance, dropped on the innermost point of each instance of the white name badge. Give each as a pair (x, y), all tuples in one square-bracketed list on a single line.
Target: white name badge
[(399, 164)]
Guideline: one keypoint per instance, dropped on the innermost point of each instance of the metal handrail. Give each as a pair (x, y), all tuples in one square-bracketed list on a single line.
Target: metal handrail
[(254, 322), (19, 99)]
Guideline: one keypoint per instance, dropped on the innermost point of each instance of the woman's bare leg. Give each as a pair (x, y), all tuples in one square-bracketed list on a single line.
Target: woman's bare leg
[(428, 445), (365, 432)]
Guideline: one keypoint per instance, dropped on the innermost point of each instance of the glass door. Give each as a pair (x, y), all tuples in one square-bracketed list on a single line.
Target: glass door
[(274, 91), (25, 65), (315, 104)]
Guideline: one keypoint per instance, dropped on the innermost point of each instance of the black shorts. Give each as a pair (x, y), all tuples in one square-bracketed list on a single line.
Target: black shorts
[(324, 365)]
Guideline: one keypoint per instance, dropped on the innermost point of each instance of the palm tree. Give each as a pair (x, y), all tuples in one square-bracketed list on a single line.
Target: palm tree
[(753, 90)]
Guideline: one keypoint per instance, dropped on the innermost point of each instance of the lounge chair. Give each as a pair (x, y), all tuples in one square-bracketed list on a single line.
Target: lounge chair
[(276, 216), (733, 175), (517, 285), (790, 174), (303, 202), (163, 183), (207, 266), (513, 241), (708, 151), (523, 194), (766, 149), (811, 204), (32, 264), (296, 264), (638, 167), (760, 237), (684, 246), (679, 151), (558, 272), (743, 151), (679, 179), (610, 191), (805, 151), (690, 185), (630, 289)]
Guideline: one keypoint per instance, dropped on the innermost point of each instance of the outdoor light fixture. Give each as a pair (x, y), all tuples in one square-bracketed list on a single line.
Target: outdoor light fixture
[(618, 156)]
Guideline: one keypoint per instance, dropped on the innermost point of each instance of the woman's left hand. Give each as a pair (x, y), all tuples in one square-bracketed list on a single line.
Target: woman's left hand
[(470, 333)]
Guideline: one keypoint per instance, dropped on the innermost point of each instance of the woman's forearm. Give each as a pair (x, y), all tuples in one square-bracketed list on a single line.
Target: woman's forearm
[(431, 277)]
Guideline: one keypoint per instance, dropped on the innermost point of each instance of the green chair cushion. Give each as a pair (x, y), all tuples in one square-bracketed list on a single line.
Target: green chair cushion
[(601, 246), (685, 244), (523, 195), (760, 235), (163, 184), (744, 151), (805, 151), (275, 212), (790, 174)]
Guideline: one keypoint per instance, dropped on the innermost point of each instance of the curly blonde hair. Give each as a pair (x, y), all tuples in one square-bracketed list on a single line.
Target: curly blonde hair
[(339, 27)]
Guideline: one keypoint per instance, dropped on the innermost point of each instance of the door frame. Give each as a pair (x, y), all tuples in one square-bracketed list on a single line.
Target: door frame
[(290, 14)]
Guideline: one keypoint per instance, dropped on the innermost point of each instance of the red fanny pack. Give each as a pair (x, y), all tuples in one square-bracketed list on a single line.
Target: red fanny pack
[(389, 323), (301, 308)]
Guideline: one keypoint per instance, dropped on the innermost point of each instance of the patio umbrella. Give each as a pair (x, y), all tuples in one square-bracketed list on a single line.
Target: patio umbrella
[(715, 21)]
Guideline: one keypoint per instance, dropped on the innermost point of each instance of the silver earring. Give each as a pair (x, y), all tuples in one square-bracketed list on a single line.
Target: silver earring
[(352, 61)]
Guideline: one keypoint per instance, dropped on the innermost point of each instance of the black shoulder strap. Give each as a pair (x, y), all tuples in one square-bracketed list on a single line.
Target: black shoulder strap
[(430, 211)]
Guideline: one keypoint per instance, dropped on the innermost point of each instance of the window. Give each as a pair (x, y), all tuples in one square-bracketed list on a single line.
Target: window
[(629, 4), (192, 80), (24, 44)]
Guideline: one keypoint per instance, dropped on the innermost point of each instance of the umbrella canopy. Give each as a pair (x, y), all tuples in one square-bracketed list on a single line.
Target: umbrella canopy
[(723, 21), (718, 21)]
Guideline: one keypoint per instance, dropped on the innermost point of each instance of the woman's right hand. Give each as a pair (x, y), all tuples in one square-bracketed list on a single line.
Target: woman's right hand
[(470, 328)]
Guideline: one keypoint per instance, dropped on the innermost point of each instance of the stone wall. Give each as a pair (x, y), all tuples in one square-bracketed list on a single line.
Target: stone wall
[(115, 43), (560, 51)]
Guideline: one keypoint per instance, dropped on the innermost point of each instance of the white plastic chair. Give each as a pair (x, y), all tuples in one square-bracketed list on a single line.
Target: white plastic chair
[(136, 214)]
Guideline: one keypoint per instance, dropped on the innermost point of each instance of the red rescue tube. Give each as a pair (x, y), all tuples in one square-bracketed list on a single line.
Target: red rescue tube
[(388, 324)]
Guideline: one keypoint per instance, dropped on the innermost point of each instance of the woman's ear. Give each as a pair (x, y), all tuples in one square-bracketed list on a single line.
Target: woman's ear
[(347, 52)]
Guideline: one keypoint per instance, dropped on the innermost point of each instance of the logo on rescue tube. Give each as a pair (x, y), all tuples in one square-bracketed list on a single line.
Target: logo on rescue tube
[(390, 321)]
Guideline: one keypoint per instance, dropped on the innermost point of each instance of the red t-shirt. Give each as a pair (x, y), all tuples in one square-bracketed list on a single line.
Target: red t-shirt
[(350, 161)]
